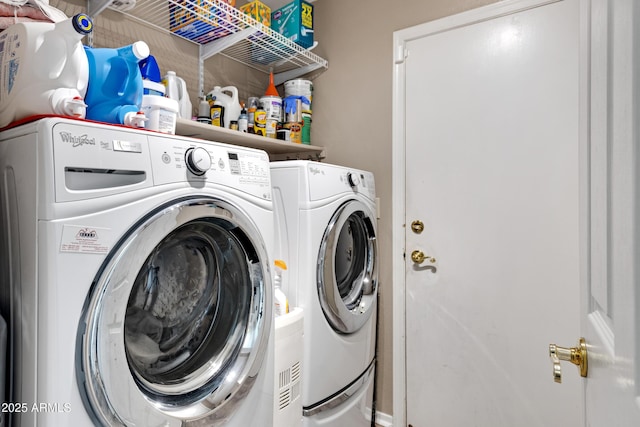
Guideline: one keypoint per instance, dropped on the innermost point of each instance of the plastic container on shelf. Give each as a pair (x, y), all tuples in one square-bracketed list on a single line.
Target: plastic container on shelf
[(227, 97), (252, 105), (243, 120), (300, 87), (161, 112), (306, 128), (44, 69), (272, 102), (204, 112), (151, 80), (115, 90), (153, 88), (303, 88), (149, 69), (176, 88)]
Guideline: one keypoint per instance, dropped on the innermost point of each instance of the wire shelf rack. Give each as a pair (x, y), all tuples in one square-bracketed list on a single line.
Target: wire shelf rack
[(219, 28)]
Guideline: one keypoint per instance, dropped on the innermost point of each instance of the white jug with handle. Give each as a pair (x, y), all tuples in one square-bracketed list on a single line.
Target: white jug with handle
[(44, 69), (176, 88), (230, 103)]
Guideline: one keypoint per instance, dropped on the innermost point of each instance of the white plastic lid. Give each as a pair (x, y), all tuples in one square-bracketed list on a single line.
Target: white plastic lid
[(151, 85), (155, 101), (141, 50)]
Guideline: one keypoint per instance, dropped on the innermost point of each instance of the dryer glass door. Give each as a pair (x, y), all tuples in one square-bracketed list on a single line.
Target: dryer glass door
[(178, 320), (347, 269)]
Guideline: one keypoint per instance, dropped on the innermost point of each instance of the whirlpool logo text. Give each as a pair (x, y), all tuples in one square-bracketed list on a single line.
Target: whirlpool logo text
[(77, 140)]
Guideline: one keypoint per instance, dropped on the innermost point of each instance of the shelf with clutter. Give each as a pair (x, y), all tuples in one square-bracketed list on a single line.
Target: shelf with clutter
[(242, 34), (277, 150), (249, 36), (121, 105)]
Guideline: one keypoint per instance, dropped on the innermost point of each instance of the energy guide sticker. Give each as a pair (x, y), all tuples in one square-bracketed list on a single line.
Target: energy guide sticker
[(85, 239)]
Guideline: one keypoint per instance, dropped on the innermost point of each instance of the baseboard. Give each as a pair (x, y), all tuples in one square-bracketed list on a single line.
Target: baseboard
[(384, 420)]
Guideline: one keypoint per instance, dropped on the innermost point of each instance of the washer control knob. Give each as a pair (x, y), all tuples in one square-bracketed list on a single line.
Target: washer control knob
[(353, 179), (198, 160)]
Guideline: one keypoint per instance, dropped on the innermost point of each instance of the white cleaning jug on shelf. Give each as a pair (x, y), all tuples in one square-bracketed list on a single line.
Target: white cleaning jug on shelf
[(44, 69), (230, 103), (176, 88)]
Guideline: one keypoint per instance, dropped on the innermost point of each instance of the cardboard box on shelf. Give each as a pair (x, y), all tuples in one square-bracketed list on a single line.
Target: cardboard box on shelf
[(295, 22), (258, 11), (199, 20)]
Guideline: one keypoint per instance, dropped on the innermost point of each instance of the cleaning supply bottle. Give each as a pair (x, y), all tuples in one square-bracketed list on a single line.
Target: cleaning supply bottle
[(151, 80), (217, 115), (243, 120), (115, 90), (253, 103), (230, 103), (176, 88), (260, 121), (279, 298), (44, 69), (204, 112)]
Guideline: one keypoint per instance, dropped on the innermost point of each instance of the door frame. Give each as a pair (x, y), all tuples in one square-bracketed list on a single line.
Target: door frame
[(400, 38)]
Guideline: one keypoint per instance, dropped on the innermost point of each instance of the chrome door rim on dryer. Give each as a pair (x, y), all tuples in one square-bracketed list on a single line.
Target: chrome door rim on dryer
[(351, 231), (109, 344)]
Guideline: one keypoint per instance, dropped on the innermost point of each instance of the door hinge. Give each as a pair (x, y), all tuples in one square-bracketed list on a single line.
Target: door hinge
[(401, 54)]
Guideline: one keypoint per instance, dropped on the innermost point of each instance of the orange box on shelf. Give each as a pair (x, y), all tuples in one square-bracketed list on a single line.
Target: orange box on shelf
[(258, 11)]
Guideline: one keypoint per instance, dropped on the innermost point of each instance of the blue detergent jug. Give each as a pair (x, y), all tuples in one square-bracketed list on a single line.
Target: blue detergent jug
[(114, 93)]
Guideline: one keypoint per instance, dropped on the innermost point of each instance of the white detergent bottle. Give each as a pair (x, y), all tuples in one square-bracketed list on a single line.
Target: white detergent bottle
[(176, 88), (43, 69), (186, 108), (280, 299)]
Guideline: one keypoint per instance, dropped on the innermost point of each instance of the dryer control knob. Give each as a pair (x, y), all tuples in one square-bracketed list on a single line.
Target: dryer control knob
[(198, 160), (353, 179)]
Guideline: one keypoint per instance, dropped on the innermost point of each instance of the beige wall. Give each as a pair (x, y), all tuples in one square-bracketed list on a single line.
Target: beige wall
[(352, 113)]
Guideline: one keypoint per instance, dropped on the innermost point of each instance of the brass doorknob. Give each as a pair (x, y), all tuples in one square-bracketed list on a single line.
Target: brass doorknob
[(419, 257), (576, 355)]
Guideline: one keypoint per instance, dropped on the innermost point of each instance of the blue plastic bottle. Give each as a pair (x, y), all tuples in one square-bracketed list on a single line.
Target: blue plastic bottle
[(114, 93)]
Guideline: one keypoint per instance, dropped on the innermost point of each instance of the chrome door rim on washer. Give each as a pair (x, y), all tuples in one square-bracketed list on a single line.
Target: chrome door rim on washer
[(348, 312), (119, 393)]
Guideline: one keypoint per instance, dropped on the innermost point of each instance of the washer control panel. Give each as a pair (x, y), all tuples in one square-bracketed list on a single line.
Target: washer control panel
[(93, 160), (176, 159)]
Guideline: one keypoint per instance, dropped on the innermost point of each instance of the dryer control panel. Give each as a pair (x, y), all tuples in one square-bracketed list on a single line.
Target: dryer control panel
[(329, 180)]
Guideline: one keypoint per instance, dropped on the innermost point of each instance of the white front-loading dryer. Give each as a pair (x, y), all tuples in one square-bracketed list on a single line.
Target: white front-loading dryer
[(326, 233), (135, 278)]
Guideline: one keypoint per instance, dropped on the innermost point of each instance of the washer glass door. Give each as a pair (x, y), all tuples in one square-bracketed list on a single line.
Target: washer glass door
[(347, 269), (178, 320)]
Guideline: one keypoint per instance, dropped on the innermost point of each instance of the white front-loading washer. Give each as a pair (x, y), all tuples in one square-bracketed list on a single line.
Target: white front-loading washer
[(326, 233), (135, 272)]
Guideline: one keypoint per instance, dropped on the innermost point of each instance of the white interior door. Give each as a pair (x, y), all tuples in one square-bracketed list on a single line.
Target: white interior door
[(611, 292), (491, 168)]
